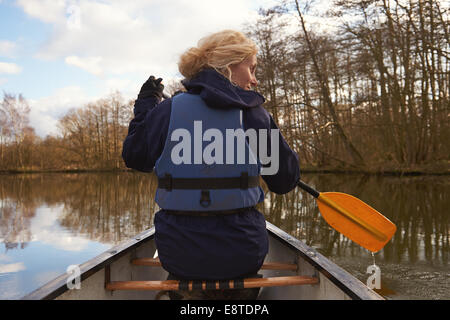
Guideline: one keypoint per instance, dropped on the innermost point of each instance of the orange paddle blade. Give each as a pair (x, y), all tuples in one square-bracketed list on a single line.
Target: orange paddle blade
[(356, 220)]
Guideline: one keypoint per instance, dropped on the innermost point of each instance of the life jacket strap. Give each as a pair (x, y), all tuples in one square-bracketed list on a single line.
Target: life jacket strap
[(209, 213), (243, 182)]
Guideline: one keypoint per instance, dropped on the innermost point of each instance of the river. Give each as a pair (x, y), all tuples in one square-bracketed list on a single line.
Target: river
[(51, 221)]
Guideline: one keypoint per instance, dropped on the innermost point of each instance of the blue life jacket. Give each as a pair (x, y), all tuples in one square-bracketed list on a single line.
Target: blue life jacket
[(198, 185)]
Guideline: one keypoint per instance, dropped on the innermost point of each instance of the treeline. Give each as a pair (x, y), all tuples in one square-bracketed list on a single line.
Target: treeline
[(90, 137), (371, 94)]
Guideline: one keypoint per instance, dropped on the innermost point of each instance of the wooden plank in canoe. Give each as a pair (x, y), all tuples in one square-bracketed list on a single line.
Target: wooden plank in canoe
[(155, 262)]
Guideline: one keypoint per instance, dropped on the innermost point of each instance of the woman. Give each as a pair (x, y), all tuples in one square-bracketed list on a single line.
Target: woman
[(208, 228)]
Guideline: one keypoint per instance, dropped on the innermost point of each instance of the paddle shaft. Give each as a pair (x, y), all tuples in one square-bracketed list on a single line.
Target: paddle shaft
[(316, 194), (308, 189)]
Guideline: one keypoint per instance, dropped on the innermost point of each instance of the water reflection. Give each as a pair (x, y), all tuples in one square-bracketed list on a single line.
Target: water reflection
[(84, 214), (103, 207), (50, 221), (417, 205), (414, 263)]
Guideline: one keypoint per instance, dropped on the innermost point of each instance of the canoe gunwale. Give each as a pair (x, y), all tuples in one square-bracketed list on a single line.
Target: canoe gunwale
[(354, 288), (58, 286), (342, 279)]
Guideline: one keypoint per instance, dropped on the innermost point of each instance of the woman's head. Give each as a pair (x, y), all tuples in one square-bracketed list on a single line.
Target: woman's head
[(223, 51)]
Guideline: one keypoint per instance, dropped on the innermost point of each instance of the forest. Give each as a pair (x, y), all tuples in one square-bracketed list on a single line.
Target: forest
[(369, 93)]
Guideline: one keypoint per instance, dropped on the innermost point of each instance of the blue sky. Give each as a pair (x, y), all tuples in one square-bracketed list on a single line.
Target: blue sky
[(65, 53)]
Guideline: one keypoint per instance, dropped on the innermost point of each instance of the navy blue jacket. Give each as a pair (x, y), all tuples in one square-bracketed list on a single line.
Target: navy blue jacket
[(208, 247)]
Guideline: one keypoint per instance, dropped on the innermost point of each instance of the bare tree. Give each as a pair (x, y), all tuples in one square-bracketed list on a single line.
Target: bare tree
[(14, 122)]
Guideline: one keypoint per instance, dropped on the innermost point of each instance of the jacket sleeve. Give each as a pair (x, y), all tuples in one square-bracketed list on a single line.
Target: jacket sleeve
[(147, 134), (288, 174)]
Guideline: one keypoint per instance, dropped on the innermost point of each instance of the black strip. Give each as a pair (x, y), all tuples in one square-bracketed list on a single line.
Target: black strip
[(209, 213), (238, 283), (224, 284), (197, 285), (183, 285), (170, 183), (210, 285), (244, 180), (168, 178)]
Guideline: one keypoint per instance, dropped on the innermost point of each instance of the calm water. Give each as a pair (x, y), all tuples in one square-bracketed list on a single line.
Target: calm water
[(50, 221)]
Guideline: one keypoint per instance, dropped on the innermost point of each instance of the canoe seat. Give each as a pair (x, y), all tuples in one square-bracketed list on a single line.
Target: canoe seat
[(208, 285)]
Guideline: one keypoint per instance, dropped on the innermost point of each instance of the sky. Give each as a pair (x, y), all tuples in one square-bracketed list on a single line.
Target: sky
[(61, 54)]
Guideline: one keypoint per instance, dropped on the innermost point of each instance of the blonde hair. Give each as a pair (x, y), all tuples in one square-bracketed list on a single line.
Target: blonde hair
[(219, 51)]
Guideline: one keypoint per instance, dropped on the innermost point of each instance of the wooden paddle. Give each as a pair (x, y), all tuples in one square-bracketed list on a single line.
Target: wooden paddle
[(353, 218)]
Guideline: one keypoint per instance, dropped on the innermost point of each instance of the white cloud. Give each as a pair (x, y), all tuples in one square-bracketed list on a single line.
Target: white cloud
[(12, 267), (10, 68), (90, 64), (117, 83), (122, 43), (118, 37), (46, 111), (4, 257), (51, 11), (129, 88), (43, 277), (45, 228), (7, 48)]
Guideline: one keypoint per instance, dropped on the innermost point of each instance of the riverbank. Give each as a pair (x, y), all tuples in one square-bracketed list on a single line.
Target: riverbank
[(26, 171), (388, 171)]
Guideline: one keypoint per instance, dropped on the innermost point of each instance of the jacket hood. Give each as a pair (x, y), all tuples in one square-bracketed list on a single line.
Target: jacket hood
[(218, 92)]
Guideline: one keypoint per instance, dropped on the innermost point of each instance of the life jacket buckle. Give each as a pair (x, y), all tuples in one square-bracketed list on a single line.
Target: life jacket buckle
[(205, 200)]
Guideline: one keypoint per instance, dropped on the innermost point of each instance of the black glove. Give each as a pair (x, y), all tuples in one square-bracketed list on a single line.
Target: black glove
[(152, 88)]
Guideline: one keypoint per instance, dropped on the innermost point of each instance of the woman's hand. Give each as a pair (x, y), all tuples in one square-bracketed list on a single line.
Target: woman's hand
[(152, 88)]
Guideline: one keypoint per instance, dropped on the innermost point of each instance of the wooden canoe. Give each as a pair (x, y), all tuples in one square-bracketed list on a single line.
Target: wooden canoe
[(292, 271)]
